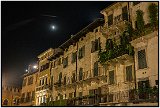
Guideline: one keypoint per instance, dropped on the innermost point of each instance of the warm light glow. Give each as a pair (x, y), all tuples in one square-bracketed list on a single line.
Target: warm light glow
[(26, 70), (35, 66)]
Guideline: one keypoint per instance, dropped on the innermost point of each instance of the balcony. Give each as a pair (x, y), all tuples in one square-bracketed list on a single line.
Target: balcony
[(119, 24), (43, 87)]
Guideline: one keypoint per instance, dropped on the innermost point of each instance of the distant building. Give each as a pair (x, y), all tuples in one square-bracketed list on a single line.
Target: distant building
[(10, 95)]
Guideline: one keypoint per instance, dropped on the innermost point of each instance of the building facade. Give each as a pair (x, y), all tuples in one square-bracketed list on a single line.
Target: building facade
[(112, 61), (28, 88), (10, 96)]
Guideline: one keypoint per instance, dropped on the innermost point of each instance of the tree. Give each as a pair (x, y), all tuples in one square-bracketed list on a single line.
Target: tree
[(140, 21), (153, 14)]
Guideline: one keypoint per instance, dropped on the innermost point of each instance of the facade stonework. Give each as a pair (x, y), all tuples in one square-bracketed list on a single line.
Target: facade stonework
[(10, 96)]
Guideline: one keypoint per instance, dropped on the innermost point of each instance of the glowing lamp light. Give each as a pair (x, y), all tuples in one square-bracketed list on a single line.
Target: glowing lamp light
[(35, 66)]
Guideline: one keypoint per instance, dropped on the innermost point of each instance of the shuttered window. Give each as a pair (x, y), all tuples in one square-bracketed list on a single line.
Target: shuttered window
[(81, 52), (60, 77), (111, 77), (96, 69), (110, 20), (129, 73), (125, 13), (95, 45), (73, 77), (74, 57), (30, 80), (142, 59), (65, 80), (65, 62), (80, 73)]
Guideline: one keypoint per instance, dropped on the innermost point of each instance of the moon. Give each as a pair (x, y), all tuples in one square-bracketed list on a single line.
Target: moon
[(53, 27)]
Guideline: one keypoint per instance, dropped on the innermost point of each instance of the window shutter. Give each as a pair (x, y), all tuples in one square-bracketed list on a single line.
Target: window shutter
[(80, 73), (93, 47), (111, 77), (129, 73), (96, 69), (142, 59)]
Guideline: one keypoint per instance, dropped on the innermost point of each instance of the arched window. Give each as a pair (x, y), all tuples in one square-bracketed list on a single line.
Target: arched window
[(5, 102)]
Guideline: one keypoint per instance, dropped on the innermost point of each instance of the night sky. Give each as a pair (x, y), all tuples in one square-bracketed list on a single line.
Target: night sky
[(26, 30)]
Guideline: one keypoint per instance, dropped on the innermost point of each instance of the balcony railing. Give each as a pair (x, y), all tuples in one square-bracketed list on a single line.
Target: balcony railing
[(42, 87)]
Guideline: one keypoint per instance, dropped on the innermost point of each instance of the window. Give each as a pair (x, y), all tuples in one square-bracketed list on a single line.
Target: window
[(136, 25), (125, 13), (142, 59), (74, 57), (65, 62), (95, 45), (73, 77), (5, 102), (28, 96), (110, 20), (24, 82), (60, 77), (23, 96), (70, 95), (65, 80), (14, 89), (129, 73), (142, 87), (95, 69), (42, 81), (81, 52), (11, 89), (135, 3), (61, 96), (74, 94), (46, 80), (111, 77), (33, 94), (80, 94), (30, 80), (44, 67), (110, 98), (80, 73)]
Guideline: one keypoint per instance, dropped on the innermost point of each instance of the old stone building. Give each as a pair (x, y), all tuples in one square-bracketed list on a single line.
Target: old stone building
[(28, 88), (10, 95), (112, 61)]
